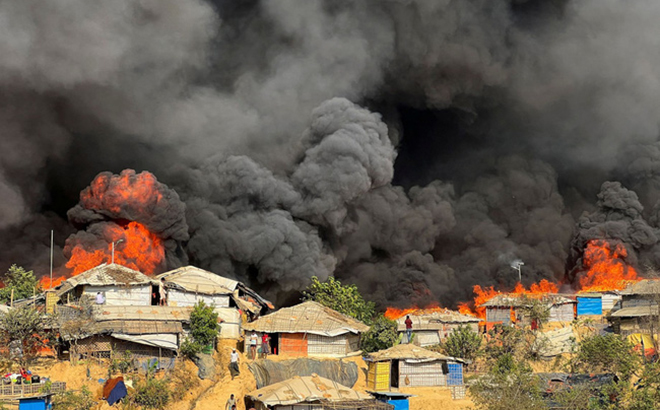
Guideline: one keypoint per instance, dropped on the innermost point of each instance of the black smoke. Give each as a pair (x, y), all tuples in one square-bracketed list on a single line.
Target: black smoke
[(413, 147)]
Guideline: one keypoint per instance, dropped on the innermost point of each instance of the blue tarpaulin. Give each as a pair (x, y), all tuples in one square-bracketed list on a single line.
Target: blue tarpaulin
[(589, 305), (118, 393), (455, 376)]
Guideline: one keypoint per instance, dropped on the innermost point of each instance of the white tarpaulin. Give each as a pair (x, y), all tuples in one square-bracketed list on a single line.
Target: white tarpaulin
[(164, 340)]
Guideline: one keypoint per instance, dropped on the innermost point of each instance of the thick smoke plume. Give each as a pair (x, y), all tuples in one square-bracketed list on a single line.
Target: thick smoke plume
[(415, 148)]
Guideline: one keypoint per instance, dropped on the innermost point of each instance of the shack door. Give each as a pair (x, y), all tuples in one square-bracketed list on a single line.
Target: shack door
[(394, 373), (293, 344)]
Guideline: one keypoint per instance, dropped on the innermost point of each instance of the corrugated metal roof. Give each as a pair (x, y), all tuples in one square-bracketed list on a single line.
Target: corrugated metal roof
[(435, 320), (643, 287), (307, 317), (511, 300), (636, 311), (198, 280), (305, 389), (410, 351), (104, 275)]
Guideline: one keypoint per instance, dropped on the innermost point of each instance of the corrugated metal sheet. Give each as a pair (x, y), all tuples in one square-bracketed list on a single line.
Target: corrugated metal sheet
[(307, 317), (378, 376), (177, 297), (562, 313), (609, 300), (421, 374), (589, 306), (455, 376), (138, 295), (293, 344)]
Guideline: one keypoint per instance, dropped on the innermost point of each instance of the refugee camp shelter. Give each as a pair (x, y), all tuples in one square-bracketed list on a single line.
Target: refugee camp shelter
[(308, 329), (119, 285), (431, 328), (508, 308), (596, 303), (312, 393), (407, 365), (189, 284), (639, 309)]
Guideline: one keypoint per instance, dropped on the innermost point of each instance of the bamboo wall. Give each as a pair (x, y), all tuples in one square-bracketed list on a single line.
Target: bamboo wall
[(122, 295), (378, 376), (421, 374)]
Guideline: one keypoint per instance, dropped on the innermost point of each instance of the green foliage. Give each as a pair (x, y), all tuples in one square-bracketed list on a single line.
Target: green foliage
[(537, 311), (152, 393), (27, 327), (70, 399), (203, 324), (22, 282), (382, 335), (504, 340), (463, 342), (606, 354), (515, 389), (121, 363), (344, 299), (190, 348)]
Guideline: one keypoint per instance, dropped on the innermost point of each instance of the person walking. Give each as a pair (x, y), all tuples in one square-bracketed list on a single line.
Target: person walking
[(231, 403), (253, 346), (408, 328), (233, 364)]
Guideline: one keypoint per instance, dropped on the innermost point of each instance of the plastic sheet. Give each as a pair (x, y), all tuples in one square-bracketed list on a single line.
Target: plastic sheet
[(268, 372)]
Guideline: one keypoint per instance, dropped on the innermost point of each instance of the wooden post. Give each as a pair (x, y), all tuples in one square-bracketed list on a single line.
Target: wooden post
[(11, 300)]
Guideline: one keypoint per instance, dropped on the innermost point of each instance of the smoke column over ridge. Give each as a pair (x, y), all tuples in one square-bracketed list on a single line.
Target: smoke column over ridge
[(415, 148)]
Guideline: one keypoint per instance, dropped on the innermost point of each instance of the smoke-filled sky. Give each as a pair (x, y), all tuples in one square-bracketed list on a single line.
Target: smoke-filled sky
[(412, 147)]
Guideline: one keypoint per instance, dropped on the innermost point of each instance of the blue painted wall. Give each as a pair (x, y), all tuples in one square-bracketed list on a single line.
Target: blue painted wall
[(32, 404), (589, 306)]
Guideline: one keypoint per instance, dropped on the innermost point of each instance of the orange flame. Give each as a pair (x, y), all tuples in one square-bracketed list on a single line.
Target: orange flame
[(140, 250), (396, 313), (128, 188), (46, 283), (606, 267)]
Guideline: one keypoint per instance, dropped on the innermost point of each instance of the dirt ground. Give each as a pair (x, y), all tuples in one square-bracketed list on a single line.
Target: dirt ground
[(213, 394)]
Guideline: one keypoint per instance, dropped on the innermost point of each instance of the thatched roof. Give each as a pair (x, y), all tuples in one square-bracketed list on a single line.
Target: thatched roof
[(304, 390), (435, 320), (409, 351), (104, 275), (193, 279), (643, 287), (512, 300), (308, 317)]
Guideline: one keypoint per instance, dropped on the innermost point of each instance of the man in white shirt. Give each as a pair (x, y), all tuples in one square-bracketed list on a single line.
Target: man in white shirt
[(253, 346), (100, 299), (233, 364)]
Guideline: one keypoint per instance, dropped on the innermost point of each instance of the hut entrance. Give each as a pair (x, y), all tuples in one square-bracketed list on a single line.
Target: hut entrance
[(394, 374), (155, 296)]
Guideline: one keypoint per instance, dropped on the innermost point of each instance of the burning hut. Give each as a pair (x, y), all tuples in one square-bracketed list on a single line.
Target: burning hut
[(406, 365), (309, 329), (312, 393), (639, 309), (511, 308), (431, 328), (119, 286)]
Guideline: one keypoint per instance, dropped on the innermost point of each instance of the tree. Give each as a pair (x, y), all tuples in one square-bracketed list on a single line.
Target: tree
[(382, 335), (344, 299), (606, 354), (22, 282), (26, 329), (537, 311), (463, 342), (512, 385), (203, 329)]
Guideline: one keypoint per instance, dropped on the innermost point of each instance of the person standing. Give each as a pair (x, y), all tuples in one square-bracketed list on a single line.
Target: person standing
[(408, 328), (231, 403), (233, 364), (265, 345), (253, 346), (100, 299), (162, 292)]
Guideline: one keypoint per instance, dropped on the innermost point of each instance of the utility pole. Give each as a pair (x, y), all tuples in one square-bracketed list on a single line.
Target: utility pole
[(51, 259), (113, 249), (517, 264)]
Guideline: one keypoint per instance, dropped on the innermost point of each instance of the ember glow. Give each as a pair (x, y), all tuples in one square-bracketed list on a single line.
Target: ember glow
[(395, 313), (117, 192), (606, 269), (140, 250)]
